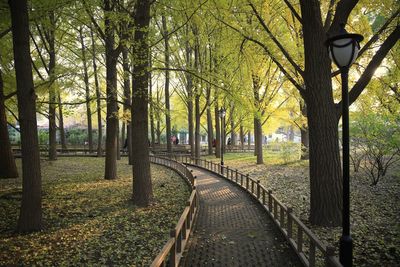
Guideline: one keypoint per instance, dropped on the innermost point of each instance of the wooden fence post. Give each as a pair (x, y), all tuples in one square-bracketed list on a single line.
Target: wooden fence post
[(289, 222), (270, 201), (172, 255), (236, 175), (330, 252)]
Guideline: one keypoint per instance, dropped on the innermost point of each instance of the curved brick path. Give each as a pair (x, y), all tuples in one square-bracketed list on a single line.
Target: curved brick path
[(232, 230)]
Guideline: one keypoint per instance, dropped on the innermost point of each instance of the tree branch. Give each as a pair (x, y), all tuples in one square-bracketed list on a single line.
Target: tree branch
[(280, 66), (370, 69), (294, 12), (280, 46), (4, 33), (328, 18), (343, 10), (94, 22), (375, 37)]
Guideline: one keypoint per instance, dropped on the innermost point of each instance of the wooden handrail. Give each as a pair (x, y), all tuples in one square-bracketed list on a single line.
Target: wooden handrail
[(172, 250), (284, 219)]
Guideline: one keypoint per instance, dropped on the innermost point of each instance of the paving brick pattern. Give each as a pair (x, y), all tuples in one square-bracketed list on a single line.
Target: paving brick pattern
[(232, 230)]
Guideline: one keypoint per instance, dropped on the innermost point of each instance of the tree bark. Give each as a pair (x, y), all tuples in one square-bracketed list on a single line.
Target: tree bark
[(197, 106), (189, 90), (197, 126), (142, 185), (152, 130), (255, 137), (305, 143), (8, 169), (210, 133), (61, 123), (118, 140), (30, 218), (249, 140), (259, 140), (217, 129), (257, 121), (98, 99), (233, 134), (325, 171), (87, 91), (167, 105), (111, 89), (127, 104), (241, 137), (52, 91)]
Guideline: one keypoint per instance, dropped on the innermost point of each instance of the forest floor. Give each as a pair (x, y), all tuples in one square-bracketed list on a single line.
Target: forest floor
[(375, 210), (88, 220)]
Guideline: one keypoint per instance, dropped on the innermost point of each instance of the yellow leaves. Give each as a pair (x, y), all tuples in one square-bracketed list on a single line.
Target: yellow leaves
[(91, 221)]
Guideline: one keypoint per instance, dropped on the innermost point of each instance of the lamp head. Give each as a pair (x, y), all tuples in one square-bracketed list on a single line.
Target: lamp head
[(343, 48)]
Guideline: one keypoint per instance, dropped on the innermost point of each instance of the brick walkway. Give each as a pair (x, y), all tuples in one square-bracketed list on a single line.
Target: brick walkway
[(232, 230)]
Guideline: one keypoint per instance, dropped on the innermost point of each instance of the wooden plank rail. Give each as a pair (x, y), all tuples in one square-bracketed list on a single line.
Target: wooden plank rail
[(172, 251), (300, 237)]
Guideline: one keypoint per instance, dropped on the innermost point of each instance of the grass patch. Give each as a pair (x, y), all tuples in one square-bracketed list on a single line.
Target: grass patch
[(375, 210), (89, 220)]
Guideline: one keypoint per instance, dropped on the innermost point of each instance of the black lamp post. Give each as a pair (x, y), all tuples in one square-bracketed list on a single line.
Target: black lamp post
[(343, 50), (222, 113)]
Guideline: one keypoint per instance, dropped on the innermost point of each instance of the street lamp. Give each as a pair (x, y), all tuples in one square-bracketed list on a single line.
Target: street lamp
[(343, 50), (222, 113)]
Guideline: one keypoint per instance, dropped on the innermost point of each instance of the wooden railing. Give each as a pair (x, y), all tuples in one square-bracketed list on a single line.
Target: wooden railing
[(305, 243), (171, 253)]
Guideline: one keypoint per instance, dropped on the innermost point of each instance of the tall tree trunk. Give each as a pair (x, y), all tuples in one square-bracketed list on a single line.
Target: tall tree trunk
[(249, 140), (87, 91), (210, 133), (241, 137), (61, 123), (189, 90), (255, 137), (259, 140), (197, 114), (30, 218), (151, 104), (127, 104), (8, 169), (167, 105), (158, 119), (52, 90), (217, 129), (158, 132), (197, 126), (123, 137), (98, 98), (305, 143), (258, 136), (233, 134), (111, 88), (118, 141), (142, 185), (325, 171)]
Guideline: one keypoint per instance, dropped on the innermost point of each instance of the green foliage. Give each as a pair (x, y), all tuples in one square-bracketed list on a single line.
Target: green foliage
[(290, 151), (378, 136), (90, 221)]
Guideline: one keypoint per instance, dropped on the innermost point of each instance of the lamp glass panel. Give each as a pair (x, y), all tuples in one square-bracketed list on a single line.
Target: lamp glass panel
[(342, 51)]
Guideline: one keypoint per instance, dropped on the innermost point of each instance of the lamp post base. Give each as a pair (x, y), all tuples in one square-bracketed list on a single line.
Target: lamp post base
[(222, 167), (346, 251)]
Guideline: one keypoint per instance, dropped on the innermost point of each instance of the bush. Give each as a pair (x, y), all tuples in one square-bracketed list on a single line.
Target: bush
[(289, 151), (376, 139)]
